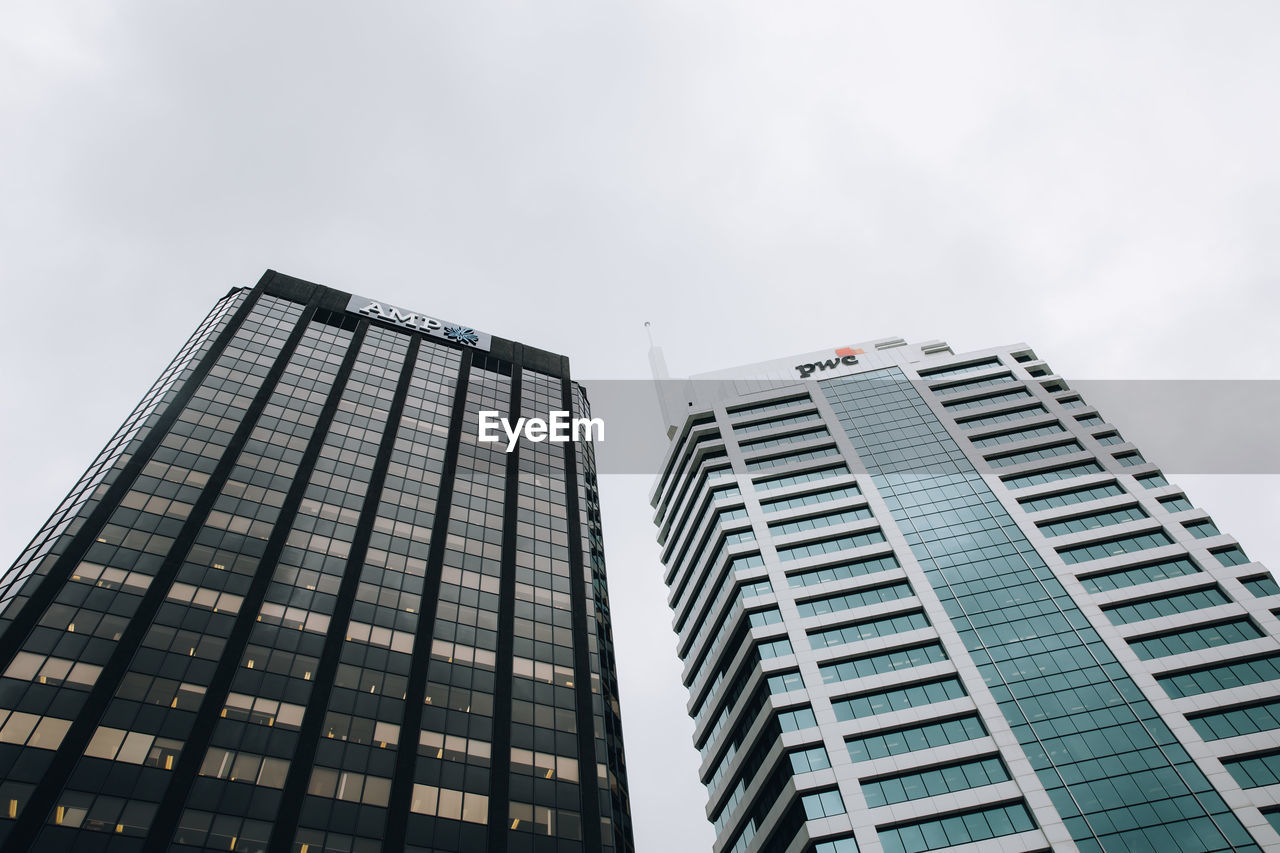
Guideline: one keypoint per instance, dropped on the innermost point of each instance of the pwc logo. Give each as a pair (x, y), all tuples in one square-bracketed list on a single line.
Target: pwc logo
[(847, 355)]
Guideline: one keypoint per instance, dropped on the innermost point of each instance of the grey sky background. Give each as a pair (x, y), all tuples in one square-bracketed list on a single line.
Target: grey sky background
[(756, 179)]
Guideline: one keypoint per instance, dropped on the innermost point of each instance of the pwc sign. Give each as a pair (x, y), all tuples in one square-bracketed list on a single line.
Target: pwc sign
[(845, 356)]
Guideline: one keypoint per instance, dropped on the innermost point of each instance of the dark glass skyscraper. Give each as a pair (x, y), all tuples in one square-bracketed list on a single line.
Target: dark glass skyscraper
[(295, 604)]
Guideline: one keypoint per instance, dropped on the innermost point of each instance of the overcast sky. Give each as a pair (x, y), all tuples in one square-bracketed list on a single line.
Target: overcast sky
[(756, 179)]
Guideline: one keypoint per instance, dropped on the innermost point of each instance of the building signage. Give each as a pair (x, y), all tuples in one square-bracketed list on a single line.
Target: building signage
[(844, 356), (455, 332)]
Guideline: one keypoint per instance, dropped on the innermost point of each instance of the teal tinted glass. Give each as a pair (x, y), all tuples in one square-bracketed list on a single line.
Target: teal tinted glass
[(1018, 435), (843, 571), (852, 600), (1165, 605), (1074, 709), (1238, 721), (1075, 496), (965, 828), (1194, 639), (869, 629), (1068, 472), (915, 738), (1134, 575), (849, 491), (885, 662), (975, 773), (1114, 547), (1092, 521), (1261, 585)]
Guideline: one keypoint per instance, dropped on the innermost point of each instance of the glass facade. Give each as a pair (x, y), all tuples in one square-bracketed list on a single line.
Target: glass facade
[(295, 605), (989, 630)]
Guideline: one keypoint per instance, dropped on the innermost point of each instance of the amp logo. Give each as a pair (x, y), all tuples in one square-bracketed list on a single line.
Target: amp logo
[(847, 355)]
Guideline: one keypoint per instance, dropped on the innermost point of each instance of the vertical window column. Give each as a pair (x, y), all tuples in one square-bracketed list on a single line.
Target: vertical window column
[(449, 803), (282, 658), (545, 792), (606, 716), (360, 735), (189, 634), (130, 550), (56, 535)]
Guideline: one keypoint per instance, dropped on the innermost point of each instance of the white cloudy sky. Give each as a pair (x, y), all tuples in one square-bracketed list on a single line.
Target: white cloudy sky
[(756, 179)]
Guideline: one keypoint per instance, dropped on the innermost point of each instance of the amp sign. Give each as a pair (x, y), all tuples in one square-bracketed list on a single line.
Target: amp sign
[(454, 332)]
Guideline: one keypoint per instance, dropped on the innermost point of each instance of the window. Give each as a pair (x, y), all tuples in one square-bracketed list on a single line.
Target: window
[(808, 418), (1254, 771), (809, 760), (1092, 521), (1004, 417), (785, 682), (822, 804), (1261, 585), (1075, 496), (934, 781), (1231, 722), (869, 629), (770, 406), (1202, 529), (793, 438), (791, 458), (898, 698), (1018, 435), (853, 600), (811, 498), (775, 649), (959, 369), (1165, 605), (963, 828), (884, 662), (797, 719), (1005, 460), (829, 546), (1037, 478), (762, 618), (1232, 556), (450, 803), (1130, 459), (1221, 676), (1134, 575), (1018, 393), (843, 571), (785, 480), (1114, 547), (971, 385), (914, 738), (783, 528), (1195, 639)]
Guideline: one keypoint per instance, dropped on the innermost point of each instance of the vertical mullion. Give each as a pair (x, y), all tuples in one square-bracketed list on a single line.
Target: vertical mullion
[(295, 787), (32, 818), (500, 754), (402, 781), (193, 751), (581, 654), (52, 582)]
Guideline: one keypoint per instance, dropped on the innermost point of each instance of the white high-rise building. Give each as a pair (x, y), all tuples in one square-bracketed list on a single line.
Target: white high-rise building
[(931, 601)]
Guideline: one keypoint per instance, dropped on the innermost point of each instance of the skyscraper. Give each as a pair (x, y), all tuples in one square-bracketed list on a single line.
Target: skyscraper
[(295, 604), (931, 601)]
